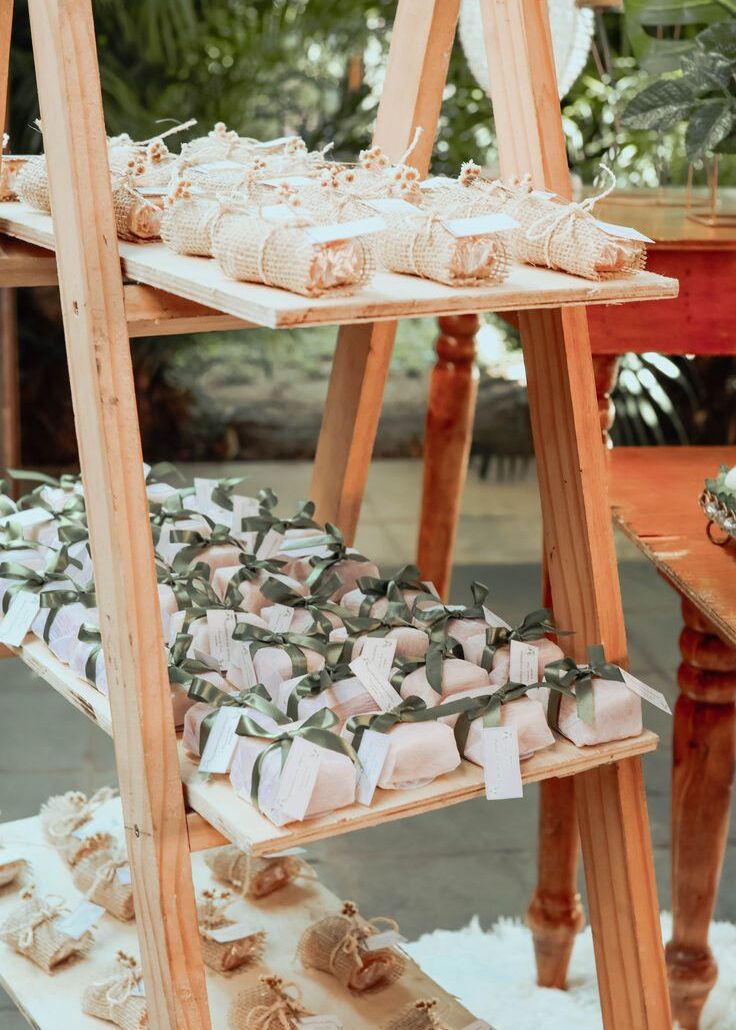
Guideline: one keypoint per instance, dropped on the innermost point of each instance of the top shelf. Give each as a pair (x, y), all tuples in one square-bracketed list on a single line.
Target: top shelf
[(386, 298)]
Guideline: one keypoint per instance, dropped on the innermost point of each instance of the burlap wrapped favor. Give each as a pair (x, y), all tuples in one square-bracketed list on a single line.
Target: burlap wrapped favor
[(12, 869), (32, 930), (63, 817), (336, 945), (103, 876), (188, 221), (136, 217), (115, 995), (255, 877), (11, 166), (417, 1015), (149, 163), (253, 247), (225, 956), (271, 1004), (32, 184)]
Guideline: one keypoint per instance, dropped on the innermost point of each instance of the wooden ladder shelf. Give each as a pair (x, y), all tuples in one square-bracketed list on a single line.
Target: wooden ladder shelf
[(166, 293)]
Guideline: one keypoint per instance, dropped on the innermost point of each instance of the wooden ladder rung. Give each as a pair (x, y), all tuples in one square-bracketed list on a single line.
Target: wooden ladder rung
[(152, 312)]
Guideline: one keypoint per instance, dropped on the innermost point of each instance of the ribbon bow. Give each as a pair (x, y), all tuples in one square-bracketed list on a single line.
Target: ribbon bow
[(408, 577), (55, 600), (182, 584), (438, 615), (44, 910), (119, 986), (90, 634), (488, 708), (12, 539), (172, 509), (314, 604), (266, 520), (222, 492), (567, 677), (338, 551), (251, 568), (313, 684), (207, 693), (195, 541), (34, 580), (532, 627), (293, 644), (412, 709), (287, 1009)]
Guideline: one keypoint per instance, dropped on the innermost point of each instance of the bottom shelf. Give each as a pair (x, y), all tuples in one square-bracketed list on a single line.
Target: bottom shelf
[(284, 915)]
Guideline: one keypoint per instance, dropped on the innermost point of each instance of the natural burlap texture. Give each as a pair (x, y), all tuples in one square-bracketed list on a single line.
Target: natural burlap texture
[(225, 956), (136, 217), (254, 877), (62, 820), (271, 1004), (32, 184), (32, 931), (417, 1015), (188, 221), (111, 995), (148, 164), (97, 874), (335, 945), (12, 870)]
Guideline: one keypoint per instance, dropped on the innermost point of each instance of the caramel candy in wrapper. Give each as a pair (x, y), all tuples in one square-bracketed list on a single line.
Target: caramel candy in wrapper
[(335, 945), (457, 675), (32, 184), (417, 1015), (254, 877), (269, 1004), (617, 714), (32, 930), (95, 874), (113, 996)]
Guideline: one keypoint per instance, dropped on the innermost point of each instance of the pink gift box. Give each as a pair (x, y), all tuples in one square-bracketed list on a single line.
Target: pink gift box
[(250, 589), (457, 675)]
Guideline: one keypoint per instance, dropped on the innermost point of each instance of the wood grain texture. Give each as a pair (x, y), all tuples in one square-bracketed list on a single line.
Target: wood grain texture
[(448, 434), (152, 312), (110, 453), (6, 29), (22, 264)]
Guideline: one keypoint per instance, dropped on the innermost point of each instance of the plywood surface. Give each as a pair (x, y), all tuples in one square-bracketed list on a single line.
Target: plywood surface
[(387, 296), (283, 916), (663, 215), (654, 496)]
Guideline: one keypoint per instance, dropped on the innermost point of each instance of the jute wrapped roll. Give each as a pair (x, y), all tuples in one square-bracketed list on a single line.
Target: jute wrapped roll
[(136, 217), (254, 877), (11, 166), (95, 874), (32, 930), (112, 995), (417, 1015), (271, 1004), (421, 245), (149, 163), (335, 945), (188, 221), (32, 184), (251, 248), (225, 956), (62, 820)]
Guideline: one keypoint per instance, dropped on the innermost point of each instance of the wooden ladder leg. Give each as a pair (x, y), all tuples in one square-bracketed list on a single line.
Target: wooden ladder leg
[(702, 785), (421, 43), (106, 421), (448, 434)]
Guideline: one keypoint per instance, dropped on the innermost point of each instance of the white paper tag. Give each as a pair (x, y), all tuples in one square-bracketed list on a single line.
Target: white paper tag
[(481, 225), (241, 671), (393, 205), (139, 990), (220, 747), (19, 617), (217, 166), (270, 545), (287, 853), (123, 875), (523, 662), (233, 932), (623, 232), (266, 144), (152, 191), (372, 754), (302, 545), (83, 918), (386, 939), (379, 653), (281, 213), (289, 180), (221, 624), (543, 194), (281, 617), (654, 697), (501, 766), (298, 778), (28, 517), (344, 230), (436, 182), (203, 497), (243, 508), (320, 1023), (377, 685)]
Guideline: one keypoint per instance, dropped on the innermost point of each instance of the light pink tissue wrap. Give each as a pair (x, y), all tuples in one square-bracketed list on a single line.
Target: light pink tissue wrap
[(347, 569), (499, 675), (182, 703), (250, 589), (353, 599), (334, 788), (195, 716), (457, 675), (273, 665), (345, 698), (302, 621), (200, 632), (418, 753), (410, 642), (78, 655), (526, 714), (169, 549), (617, 714)]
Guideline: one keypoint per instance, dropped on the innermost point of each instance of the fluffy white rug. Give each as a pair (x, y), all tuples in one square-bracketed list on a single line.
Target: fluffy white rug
[(493, 975)]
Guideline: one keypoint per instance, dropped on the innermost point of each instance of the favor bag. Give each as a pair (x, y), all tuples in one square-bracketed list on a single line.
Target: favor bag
[(116, 995), (254, 877), (270, 1004), (225, 956), (33, 930), (103, 876)]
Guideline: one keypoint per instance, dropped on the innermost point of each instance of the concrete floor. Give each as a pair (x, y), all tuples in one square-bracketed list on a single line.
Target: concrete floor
[(472, 858)]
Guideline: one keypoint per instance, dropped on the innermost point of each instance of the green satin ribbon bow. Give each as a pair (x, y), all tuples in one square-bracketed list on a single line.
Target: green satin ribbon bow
[(72, 531), (12, 539), (397, 615), (564, 674), (255, 697), (313, 684), (411, 709), (317, 729), (293, 644), (171, 509), (408, 577), (250, 568), (187, 672), (66, 481), (55, 600), (267, 520), (161, 472), (532, 627), (33, 580), (315, 605), (183, 583), (222, 493), (7, 504), (437, 617), (488, 708), (437, 652), (338, 551), (90, 634), (195, 542)]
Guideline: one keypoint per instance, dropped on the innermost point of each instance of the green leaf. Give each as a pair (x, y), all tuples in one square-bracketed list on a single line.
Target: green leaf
[(718, 40), (661, 105), (709, 124)]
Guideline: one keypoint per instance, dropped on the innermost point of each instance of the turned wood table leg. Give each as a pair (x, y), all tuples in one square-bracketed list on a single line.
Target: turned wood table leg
[(702, 781), (453, 389), (605, 369)]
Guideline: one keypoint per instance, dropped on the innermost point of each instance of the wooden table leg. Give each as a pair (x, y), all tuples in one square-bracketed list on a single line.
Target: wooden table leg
[(702, 781), (453, 389)]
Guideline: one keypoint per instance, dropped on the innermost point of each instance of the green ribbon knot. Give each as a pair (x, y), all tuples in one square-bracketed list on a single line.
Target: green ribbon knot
[(313, 684), (437, 617), (533, 626), (408, 577), (90, 634), (338, 551), (488, 708), (315, 605), (565, 676), (207, 693), (294, 644)]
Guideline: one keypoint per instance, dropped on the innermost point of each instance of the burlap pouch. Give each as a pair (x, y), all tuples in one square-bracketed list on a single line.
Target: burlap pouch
[(270, 1004), (112, 997), (11, 166), (252, 248), (31, 930), (136, 217), (255, 877), (95, 874), (32, 184), (335, 945), (225, 956), (417, 1015), (65, 814)]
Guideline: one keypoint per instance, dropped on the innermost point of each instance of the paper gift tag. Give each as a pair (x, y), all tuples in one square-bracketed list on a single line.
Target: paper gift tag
[(152, 191), (139, 990), (480, 225), (244, 508), (344, 230), (270, 545), (220, 747), (216, 166), (543, 194), (18, 618), (320, 1023), (393, 206), (298, 778), (379, 653), (122, 875), (203, 497), (436, 182), (299, 546), (207, 659), (221, 624), (372, 754), (386, 939), (241, 671), (233, 932), (295, 181), (501, 766), (83, 918), (272, 143), (654, 697), (282, 617), (376, 684), (287, 853), (28, 517), (523, 662), (623, 232)]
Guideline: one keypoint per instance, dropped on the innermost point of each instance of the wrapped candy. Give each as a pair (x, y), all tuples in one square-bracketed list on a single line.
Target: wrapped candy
[(340, 945), (64, 609), (410, 641), (209, 699), (255, 877), (334, 687), (440, 675), (11, 166), (455, 620), (370, 596), (247, 576), (332, 558), (225, 956), (214, 546), (184, 671), (281, 656), (506, 706), (63, 818), (270, 1004), (117, 995), (33, 930), (103, 876)]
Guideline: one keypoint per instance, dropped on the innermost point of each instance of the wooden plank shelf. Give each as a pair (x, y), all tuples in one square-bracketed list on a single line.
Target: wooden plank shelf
[(234, 818), (284, 916), (385, 298)]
